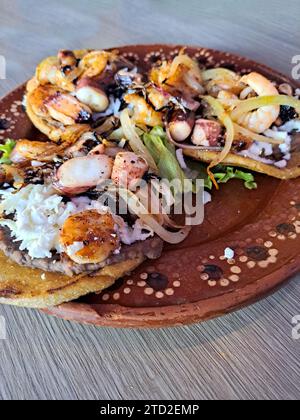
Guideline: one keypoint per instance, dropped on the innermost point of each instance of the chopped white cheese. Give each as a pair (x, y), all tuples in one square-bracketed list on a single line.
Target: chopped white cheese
[(138, 232), (36, 164), (206, 197), (293, 125), (229, 254), (39, 215)]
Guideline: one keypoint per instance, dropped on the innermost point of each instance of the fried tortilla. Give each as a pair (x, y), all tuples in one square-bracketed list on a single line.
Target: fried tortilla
[(290, 172), (23, 286), (40, 283)]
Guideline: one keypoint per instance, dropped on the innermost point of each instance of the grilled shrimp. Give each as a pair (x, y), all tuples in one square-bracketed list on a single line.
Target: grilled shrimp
[(128, 169), (51, 102), (66, 109), (94, 63), (78, 175), (142, 112), (183, 73), (52, 71), (158, 97), (89, 237), (228, 99), (259, 121), (27, 150)]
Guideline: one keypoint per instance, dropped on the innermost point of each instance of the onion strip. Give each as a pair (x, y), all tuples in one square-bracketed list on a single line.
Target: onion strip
[(255, 137), (219, 74), (155, 205), (134, 140), (254, 103), (225, 119), (139, 210), (184, 59)]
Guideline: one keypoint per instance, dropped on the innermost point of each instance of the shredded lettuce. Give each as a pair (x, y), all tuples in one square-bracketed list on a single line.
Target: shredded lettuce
[(164, 155), (6, 150), (225, 174), (222, 174)]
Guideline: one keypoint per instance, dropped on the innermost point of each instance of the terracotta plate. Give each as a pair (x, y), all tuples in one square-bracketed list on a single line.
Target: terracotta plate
[(193, 281)]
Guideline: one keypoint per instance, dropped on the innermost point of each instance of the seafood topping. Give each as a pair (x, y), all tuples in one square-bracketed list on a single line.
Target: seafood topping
[(67, 109), (89, 237), (67, 60), (181, 125), (206, 133), (128, 169), (92, 95), (27, 150), (80, 174)]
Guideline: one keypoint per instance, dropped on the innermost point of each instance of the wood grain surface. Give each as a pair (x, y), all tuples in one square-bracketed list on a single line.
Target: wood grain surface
[(247, 355)]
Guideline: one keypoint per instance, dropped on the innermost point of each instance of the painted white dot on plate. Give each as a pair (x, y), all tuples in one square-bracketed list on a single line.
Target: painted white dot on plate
[(176, 283), (129, 282), (263, 264), (148, 291), (235, 269), (116, 296), (144, 276), (169, 292), (212, 283), (105, 297), (251, 264), (141, 283), (224, 282), (159, 295), (234, 278), (268, 244), (127, 290)]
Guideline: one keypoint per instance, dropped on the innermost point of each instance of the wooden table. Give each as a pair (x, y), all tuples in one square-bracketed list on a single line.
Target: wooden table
[(249, 354)]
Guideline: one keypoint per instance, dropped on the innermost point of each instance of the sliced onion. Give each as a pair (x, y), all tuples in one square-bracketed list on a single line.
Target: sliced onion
[(146, 198), (108, 125), (191, 82), (139, 210), (255, 137), (180, 159), (134, 140), (219, 74), (184, 59), (225, 119), (117, 134), (254, 103)]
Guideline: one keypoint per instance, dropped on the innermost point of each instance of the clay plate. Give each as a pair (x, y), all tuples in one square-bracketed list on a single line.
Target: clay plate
[(193, 282)]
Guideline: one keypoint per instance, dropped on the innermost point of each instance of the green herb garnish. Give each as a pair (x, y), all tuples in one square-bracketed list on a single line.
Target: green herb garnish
[(6, 150)]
